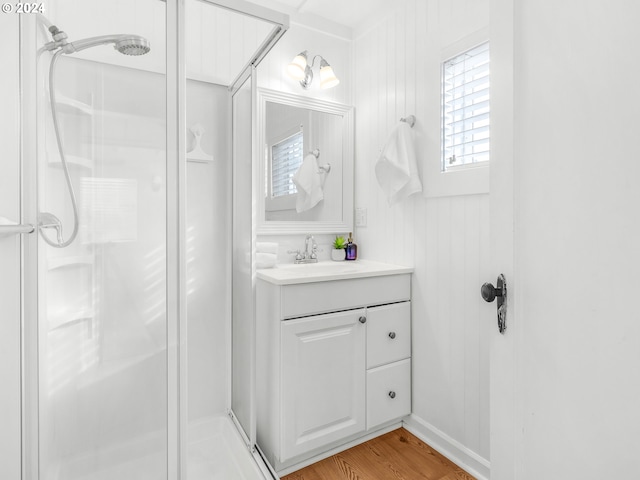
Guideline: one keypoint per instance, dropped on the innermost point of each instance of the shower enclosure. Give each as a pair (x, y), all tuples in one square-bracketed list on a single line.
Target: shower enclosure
[(137, 318)]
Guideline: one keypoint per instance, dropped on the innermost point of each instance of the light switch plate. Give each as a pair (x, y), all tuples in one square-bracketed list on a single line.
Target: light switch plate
[(361, 217)]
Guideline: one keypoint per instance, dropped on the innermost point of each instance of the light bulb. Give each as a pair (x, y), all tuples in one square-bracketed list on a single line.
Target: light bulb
[(297, 66), (328, 79)]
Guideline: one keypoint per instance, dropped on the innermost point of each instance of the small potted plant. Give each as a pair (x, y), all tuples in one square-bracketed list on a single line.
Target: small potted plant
[(338, 252)]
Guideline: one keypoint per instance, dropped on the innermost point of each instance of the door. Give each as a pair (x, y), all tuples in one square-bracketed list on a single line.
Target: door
[(100, 322), (243, 269), (564, 385), (323, 380)]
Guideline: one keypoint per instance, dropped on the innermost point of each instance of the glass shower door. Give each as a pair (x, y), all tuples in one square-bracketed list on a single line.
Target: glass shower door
[(102, 308), (242, 327)]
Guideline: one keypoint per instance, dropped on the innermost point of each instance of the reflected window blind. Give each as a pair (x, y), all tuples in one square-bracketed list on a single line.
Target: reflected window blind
[(108, 210), (465, 108), (286, 158)]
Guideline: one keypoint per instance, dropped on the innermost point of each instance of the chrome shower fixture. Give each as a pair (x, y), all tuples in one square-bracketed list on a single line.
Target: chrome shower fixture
[(299, 69), (123, 43)]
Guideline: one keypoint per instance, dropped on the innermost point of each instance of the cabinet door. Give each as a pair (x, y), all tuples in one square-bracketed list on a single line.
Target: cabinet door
[(323, 381)]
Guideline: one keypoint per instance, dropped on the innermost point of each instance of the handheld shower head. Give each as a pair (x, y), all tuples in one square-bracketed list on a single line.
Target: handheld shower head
[(125, 44), (133, 45)]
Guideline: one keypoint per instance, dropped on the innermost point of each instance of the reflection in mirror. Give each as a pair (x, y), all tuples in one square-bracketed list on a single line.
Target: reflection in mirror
[(292, 135), (306, 164)]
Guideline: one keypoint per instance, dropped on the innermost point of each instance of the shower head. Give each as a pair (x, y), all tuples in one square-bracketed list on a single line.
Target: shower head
[(125, 44), (133, 45)]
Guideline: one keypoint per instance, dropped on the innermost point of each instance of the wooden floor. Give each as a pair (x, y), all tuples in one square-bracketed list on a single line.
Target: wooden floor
[(397, 455)]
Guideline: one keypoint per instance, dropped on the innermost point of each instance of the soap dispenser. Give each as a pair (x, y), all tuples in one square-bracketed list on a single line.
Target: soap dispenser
[(351, 249)]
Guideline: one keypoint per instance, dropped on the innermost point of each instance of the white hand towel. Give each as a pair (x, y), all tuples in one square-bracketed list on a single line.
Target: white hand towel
[(309, 184), (266, 260), (396, 169), (267, 247)]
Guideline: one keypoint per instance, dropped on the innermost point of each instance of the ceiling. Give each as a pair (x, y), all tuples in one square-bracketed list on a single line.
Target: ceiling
[(350, 13)]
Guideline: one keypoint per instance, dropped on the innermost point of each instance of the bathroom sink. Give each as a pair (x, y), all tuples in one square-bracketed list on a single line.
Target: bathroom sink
[(286, 274)]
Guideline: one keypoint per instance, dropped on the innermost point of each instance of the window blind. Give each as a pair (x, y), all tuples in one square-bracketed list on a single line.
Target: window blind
[(465, 108), (286, 158)]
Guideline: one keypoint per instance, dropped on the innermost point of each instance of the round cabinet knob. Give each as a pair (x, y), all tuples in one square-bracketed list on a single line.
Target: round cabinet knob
[(392, 394), (392, 335), (362, 319)]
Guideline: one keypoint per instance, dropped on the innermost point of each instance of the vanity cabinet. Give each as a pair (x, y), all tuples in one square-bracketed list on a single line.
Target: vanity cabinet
[(333, 363)]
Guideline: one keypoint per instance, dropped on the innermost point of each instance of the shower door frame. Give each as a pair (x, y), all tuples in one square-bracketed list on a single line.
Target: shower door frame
[(176, 275), (29, 255)]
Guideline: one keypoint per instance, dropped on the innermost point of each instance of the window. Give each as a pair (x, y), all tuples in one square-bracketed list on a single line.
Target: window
[(465, 109), (286, 158)]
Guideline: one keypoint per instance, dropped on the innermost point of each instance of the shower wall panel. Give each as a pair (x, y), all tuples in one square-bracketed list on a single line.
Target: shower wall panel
[(208, 220)]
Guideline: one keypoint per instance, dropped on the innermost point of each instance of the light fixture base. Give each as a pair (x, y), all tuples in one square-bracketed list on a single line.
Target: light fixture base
[(308, 78)]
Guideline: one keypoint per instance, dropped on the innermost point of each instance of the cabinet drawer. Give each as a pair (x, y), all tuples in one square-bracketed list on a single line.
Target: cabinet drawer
[(388, 392), (388, 333), (321, 297)]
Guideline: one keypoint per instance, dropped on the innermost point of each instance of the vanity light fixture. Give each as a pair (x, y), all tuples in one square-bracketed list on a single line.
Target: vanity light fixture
[(299, 69)]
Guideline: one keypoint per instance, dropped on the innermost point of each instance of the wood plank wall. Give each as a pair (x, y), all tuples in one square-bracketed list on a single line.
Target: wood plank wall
[(445, 238)]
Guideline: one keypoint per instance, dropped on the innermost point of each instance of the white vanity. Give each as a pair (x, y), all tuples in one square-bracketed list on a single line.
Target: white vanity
[(333, 356)]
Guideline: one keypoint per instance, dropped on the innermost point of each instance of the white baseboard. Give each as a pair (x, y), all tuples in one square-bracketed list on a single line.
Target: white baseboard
[(465, 458)]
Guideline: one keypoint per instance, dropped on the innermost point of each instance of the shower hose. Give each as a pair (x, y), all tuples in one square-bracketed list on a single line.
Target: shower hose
[(52, 96)]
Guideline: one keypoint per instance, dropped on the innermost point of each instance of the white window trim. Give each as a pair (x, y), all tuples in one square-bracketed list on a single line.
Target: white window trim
[(464, 181)]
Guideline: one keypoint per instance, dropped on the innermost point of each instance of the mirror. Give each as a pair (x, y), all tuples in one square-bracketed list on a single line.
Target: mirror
[(305, 167)]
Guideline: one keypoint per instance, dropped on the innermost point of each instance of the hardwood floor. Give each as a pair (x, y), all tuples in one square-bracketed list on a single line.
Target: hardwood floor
[(397, 455)]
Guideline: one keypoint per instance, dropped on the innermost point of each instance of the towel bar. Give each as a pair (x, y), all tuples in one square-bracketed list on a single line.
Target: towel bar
[(16, 229)]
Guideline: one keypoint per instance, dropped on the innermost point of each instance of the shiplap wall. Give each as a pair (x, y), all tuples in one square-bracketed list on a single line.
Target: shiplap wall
[(396, 74)]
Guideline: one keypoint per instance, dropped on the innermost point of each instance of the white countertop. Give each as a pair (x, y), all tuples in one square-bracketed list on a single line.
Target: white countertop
[(289, 274)]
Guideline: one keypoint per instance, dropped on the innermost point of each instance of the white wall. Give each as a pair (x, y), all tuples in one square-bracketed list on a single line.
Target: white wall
[(445, 238)]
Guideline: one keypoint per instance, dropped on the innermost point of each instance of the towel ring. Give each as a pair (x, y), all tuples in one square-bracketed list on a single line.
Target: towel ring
[(326, 168), (315, 152), (411, 120)]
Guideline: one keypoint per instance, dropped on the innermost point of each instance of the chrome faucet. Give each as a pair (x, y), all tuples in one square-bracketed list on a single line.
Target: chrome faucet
[(310, 253)]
